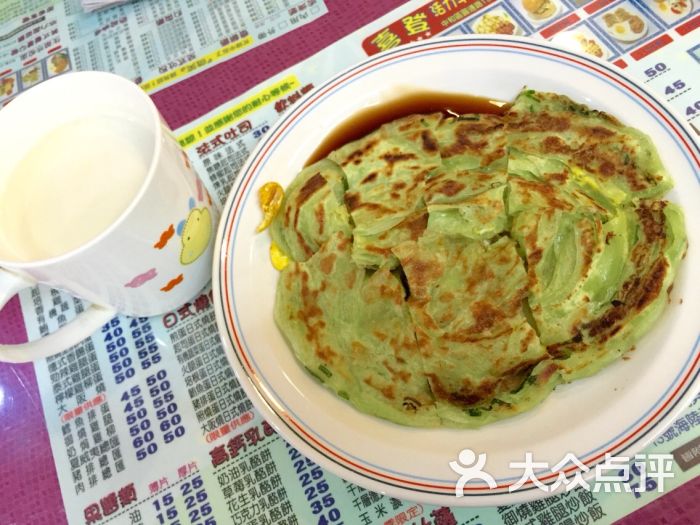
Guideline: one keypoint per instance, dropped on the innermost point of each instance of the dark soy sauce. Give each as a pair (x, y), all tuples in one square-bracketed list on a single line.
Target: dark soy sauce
[(372, 117)]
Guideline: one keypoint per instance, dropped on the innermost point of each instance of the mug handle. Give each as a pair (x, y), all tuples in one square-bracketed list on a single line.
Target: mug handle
[(72, 333)]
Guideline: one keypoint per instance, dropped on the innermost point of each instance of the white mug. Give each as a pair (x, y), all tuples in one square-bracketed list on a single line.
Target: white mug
[(142, 241)]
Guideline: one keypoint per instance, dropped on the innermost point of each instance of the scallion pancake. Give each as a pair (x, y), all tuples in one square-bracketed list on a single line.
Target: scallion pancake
[(352, 331), (386, 173), (480, 216), (374, 251), (453, 271), (312, 210), (464, 196), (563, 239), (466, 305), (634, 273), (597, 151)]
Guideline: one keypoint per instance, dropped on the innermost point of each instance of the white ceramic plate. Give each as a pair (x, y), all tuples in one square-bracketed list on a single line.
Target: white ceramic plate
[(620, 410)]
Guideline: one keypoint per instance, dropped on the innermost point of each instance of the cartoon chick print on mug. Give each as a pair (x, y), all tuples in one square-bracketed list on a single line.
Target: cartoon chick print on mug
[(194, 231)]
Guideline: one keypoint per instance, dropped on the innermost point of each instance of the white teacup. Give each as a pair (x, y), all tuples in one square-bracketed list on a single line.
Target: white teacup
[(97, 198)]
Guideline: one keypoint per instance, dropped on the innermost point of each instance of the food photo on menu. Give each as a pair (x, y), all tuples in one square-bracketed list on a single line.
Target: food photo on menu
[(541, 9), (350, 263)]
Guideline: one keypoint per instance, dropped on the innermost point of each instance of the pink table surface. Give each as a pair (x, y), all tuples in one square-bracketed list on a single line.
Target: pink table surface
[(29, 490)]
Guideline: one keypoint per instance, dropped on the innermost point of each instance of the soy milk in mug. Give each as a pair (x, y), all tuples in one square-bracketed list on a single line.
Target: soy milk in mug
[(74, 182)]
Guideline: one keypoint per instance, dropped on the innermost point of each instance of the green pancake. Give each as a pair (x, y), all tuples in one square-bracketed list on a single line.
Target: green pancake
[(386, 173), (563, 238), (373, 251), (594, 148), (634, 273), (464, 196), (479, 216), (601, 255), (352, 332), (466, 305), (476, 143), (312, 210), (452, 271)]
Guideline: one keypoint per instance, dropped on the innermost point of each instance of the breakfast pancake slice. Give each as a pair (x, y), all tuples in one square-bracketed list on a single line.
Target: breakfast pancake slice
[(465, 195), (480, 216), (562, 237), (352, 331), (386, 172), (599, 153), (476, 345), (554, 176), (312, 210), (628, 289), (597, 279), (474, 142), (374, 250), (385, 356)]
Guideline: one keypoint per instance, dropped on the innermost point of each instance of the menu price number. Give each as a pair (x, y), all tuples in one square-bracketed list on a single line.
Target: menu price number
[(139, 424), (118, 351), (145, 342), (165, 506), (678, 85), (197, 507), (693, 110), (169, 420), (315, 486), (260, 131), (655, 70), (633, 473)]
